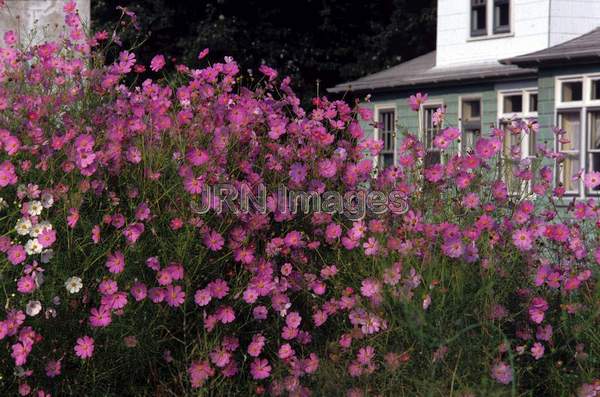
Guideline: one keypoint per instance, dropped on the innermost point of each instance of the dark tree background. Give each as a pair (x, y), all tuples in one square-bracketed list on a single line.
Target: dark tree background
[(327, 40)]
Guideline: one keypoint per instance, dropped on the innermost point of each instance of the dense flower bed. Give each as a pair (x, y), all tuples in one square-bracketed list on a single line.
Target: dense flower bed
[(114, 283)]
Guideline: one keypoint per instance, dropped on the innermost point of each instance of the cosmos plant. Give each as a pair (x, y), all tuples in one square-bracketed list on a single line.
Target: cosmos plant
[(105, 262)]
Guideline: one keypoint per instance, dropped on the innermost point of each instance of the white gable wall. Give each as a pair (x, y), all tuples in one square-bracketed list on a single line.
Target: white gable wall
[(529, 32), (572, 18)]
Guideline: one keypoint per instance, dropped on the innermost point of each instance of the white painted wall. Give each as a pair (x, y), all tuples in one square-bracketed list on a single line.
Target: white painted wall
[(46, 16), (572, 18), (529, 25), (536, 24)]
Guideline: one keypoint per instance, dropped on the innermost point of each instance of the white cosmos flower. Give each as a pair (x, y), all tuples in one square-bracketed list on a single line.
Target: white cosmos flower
[(47, 200), (23, 226), (35, 208), (33, 308), (73, 284), (33, 247), (47, 255)]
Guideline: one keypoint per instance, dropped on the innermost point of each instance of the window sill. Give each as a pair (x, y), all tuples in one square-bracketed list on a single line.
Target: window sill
[(491, 37)]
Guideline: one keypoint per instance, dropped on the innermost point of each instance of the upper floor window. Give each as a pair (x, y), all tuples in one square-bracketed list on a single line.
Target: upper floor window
[(386, 119), (478, 18), (490, 13), (501, 16)]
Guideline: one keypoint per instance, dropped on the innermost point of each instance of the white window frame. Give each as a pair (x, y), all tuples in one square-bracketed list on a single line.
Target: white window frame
[(583, 107), (524, 114), (466, 98), (382, 107), (430, 103), (489, 22)]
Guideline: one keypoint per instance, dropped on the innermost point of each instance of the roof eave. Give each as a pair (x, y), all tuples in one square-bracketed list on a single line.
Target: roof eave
[(429, 83)]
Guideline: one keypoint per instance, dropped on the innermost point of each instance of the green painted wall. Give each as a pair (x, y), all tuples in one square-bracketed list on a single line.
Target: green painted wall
[(408, 120)]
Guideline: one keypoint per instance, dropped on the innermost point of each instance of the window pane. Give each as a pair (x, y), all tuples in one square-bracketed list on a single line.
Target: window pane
[(572, 91), (533, 103), (471, 110), (570, 143), (594, 128), (511, 153), (594, 143), (478, 18), (387, 124), (571, 123), (569, 167), (513, 103), (501, 16), (596, 89)]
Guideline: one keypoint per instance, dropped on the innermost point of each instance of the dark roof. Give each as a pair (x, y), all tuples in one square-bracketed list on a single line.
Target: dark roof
[(581, 49), (422, 71)]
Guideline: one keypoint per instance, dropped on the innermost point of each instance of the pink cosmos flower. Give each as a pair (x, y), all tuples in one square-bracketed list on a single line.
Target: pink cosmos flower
[(175, 296), (502, 373), (220, 357), (199, 372), (370, 288), (202, 297), (592, 180), (115, 262), (16, 254), (157, 295), (26, 285), (53, 368), (100, 317), (416, 100), (537, 308), (47, 237), (213, 241), (139, 291), (522, 239), (260, 369), (85, 347), (218, 288), (157, 63), (226, 314), (73, 217), (537, 350), (203, 53)]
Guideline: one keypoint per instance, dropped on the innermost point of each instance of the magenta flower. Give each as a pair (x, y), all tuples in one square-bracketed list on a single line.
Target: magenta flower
[(47, 237), (175, 296), (502, 373), (16, 254), (260, 369), (53, 368), (157, 63), (115, 262), (84, 348), (416, 100), (26, 285)]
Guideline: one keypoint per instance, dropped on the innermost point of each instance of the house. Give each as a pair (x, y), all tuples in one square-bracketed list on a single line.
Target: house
[(36, 21), (497, 61)]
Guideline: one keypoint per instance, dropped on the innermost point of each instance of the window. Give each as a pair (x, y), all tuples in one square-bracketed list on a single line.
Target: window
[(501, 16), (517, 114), (470, 122), (511, 153), (578, 115), (433, 155), (595, 90), (569, 145), (533, 103), (478, 18), (386, 127), (513, 103), (572, 91), (594, 142)]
